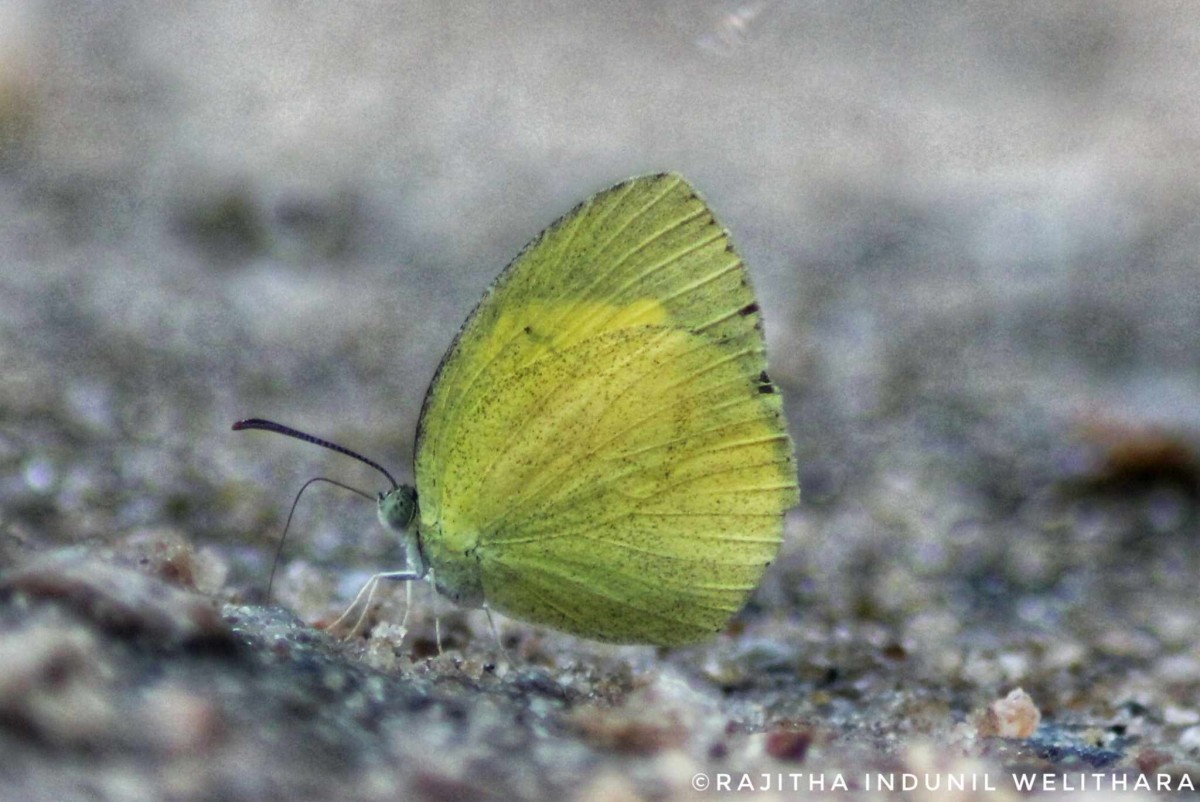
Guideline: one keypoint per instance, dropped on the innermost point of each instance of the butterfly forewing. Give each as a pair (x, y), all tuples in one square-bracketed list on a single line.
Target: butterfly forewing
[(602, 438)]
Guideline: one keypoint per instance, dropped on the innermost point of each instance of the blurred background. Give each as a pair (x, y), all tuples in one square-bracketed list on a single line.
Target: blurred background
[(973, 228)]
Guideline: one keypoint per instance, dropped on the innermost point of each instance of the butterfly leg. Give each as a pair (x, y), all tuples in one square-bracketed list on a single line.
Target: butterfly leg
[(437, 621), (366, 595), (496, 634)]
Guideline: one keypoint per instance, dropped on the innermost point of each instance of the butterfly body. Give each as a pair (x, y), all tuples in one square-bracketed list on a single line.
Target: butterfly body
[(601, 450)]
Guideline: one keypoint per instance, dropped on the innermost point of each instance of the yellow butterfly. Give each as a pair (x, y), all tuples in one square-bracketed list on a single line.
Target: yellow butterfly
[(601, 450)]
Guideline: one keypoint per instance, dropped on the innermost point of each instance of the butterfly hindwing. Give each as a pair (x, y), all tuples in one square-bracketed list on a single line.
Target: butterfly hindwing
[(642, 479)]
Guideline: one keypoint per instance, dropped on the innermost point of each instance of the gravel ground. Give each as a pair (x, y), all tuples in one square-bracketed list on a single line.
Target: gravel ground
[(973, 228)]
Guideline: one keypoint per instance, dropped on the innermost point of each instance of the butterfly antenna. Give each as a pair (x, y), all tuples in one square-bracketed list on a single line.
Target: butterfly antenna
[(279, 428), (288, 524)]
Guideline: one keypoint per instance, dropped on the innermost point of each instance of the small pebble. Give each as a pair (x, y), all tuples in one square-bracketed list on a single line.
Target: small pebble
[(1014, 716)]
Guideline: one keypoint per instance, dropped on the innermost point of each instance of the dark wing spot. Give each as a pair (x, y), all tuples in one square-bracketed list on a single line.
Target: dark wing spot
[(748, 309), (529, 330), (764, 384)]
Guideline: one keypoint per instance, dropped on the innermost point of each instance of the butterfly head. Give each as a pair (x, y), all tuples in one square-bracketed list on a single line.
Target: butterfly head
[(398, 508)]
